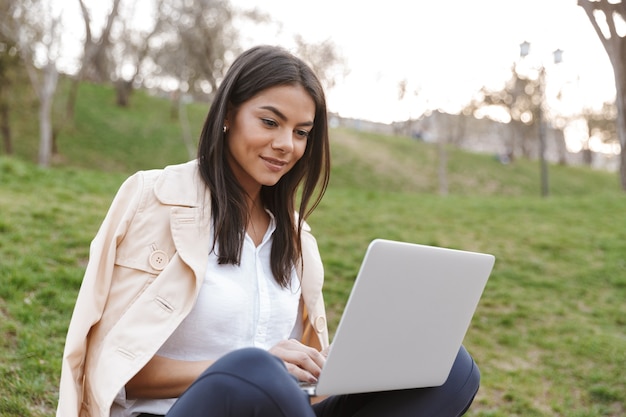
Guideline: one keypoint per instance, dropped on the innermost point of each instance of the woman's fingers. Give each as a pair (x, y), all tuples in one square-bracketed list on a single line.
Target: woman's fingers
[(325, 351), (302, 361)]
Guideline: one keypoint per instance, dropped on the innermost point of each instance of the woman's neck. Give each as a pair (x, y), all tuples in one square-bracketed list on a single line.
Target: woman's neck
[(258, 220)]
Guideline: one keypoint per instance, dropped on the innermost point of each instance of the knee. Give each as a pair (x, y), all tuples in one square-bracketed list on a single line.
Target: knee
[(464, 376), (245, 382), (246, 360), (255, 367)]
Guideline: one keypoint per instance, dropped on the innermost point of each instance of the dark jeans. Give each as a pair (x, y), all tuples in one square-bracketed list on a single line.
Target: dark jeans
[(252, 383)]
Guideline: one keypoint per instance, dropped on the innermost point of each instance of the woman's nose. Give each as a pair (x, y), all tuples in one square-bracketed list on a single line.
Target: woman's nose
[(283, 140)]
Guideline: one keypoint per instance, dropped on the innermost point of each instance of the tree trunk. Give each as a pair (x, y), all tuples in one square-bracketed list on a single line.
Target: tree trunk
[(70, 105), (617, 57), (561, 146), (587, 154), (443, 167), (5, 128), (124, 89), (615, 46), (45, 132), (55, 145), (175, 104), (184, 126), (620, 84), (46, 96)]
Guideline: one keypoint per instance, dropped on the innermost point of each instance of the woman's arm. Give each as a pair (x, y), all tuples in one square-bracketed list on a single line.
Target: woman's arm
[(94, 289), (164, 378)]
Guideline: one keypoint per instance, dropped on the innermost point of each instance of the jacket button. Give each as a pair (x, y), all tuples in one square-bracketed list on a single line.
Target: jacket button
[(320, 324), (158, 260)]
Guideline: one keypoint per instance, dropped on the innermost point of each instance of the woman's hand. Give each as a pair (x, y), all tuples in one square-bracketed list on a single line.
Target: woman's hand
[(302, 361)]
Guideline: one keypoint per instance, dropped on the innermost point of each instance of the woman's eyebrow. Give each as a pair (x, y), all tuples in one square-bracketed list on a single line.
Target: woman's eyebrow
[(282, 116)]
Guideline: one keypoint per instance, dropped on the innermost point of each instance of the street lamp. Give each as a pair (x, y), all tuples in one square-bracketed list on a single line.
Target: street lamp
[(557, 57)]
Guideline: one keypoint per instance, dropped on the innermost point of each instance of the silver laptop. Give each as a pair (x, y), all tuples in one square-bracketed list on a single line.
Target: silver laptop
[(405, 319)]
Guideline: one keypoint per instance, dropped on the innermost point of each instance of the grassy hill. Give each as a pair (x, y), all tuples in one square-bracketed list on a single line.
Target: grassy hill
[(550, 331)]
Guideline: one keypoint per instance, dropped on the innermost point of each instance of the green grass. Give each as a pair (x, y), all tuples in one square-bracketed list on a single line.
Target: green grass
[(550, 331), (106, 137)]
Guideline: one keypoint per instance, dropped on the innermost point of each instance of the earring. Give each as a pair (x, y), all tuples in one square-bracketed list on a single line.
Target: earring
[(225, 129)]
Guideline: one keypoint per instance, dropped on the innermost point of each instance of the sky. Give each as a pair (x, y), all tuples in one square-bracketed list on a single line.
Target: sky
[(446, 50)]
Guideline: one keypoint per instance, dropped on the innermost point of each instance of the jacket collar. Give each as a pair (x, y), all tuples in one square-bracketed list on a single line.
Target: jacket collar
[(181, 185), (182, 188)]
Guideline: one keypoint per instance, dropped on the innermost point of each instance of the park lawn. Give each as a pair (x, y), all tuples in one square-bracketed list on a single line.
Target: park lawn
[(549, 333)]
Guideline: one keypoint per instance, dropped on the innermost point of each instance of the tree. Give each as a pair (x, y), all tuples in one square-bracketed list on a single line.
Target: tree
[(601, 125), (609, 14), (132, 50), (195, 45), (35, 27), (191, 52), (324, 58), (520, 99), (94, 62), (9, 73), (406, 127)]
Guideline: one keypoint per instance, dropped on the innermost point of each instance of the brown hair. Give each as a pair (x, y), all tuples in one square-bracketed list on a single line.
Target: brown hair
[(255, 70)]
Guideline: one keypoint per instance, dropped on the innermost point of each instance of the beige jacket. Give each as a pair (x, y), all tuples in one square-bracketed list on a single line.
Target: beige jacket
[(146, 265)]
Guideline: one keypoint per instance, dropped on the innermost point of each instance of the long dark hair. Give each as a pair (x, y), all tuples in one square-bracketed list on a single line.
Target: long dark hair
[(255, 70)]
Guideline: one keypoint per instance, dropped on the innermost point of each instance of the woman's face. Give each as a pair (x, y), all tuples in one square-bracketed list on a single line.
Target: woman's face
[(267, 135)]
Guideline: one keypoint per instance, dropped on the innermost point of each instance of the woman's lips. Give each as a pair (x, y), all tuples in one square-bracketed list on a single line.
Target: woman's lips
[(274, 164)]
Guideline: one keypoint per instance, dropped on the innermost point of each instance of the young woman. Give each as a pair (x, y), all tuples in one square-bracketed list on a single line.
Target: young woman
[(203, 292)]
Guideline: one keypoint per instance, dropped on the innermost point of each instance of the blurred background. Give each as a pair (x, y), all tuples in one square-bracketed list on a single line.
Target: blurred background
[(467, 71)]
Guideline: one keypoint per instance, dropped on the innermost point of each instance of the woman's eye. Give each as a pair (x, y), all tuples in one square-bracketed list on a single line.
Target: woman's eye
[(302, 133), (269, 122)]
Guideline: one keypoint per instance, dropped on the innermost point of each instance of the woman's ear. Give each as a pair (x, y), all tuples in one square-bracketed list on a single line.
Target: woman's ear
[(230, 114)]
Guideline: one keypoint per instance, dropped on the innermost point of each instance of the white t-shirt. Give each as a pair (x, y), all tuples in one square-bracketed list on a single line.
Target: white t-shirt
[(237, 306)]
